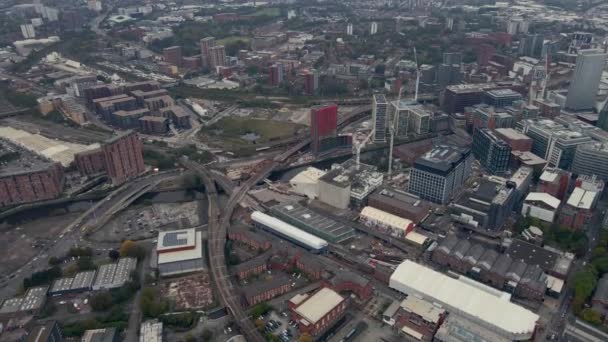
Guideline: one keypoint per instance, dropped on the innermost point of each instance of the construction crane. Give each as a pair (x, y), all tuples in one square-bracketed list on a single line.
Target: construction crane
[(393, 124), (360, 145), (392, 129)]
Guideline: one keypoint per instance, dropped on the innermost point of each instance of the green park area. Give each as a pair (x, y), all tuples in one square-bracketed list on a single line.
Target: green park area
[(268, 12), (244, 134)]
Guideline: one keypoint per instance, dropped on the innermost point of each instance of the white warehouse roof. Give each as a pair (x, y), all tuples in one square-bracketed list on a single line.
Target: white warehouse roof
[(288, 230), (543, 197), (582, 199), (309, 176), (319, 304), (386, 218), (490, 309)]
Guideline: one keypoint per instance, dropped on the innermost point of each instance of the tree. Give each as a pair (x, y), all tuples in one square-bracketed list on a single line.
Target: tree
[(113, 255), (591, 316), (189, 337), (101, 301), (54, 261), (131, 249), (85, 264), (305, 337), (601, 264), (206, 335)]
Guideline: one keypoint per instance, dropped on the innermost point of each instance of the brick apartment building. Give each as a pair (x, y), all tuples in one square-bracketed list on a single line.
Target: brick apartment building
[(350, 281), (36, 184), (249, 238), (251, 267), (312, 268), (264, 291), (121, 157), (418, 318), (177, 115), (153, 124)]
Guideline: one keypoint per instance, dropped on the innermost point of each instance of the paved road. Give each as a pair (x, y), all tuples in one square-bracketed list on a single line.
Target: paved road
[(73, 234)]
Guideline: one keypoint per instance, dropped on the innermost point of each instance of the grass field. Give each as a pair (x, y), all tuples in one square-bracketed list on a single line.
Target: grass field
[(233, 39), (233, 128), (269, 12)]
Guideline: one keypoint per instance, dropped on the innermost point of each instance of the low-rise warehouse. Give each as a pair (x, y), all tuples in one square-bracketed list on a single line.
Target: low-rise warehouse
[(385, 222), (30, 304), (485, 306), (111, 276), (81, 282), (287, 231), (312, 222), (180, 251)]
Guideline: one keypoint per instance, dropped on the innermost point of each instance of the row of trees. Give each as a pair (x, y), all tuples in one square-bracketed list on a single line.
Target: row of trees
[(585, 281)]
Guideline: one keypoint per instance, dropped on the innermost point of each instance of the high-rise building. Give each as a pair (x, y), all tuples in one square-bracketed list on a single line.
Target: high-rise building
[(311, 82), (173, 55), (121, 157), (591, 159), (586, 79), (439, 173), (448, 74), (452, 58), (380, 117), (349, 29), (602, 121), (531, 45), (323, 124), (411, 118), (492, 152), (206, 45), (275, 75), (373, 28), (28, 31), (217, 56), (124, 157)]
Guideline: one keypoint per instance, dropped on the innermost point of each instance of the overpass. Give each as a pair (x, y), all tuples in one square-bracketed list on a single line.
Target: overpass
[(218, 225)]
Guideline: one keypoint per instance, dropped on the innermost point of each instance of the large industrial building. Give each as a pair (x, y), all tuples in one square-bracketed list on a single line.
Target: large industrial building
[(489, 308), (289, 232), (438, 174), (400, 203), (349, 183), (306, 183), (179, 251), (312, 222)]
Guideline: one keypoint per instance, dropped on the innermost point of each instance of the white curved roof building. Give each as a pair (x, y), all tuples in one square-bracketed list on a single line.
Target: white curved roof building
[(491, 309), (288, 231), (387, 219)]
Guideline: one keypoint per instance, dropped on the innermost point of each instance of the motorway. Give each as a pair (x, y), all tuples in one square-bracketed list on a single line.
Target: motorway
[(73, 234)]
